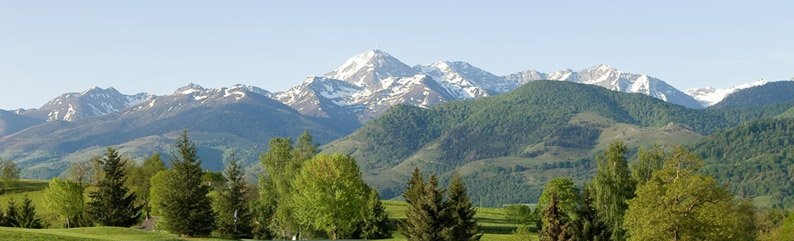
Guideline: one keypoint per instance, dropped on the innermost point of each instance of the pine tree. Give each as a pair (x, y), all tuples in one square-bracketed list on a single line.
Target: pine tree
[(461, 226), (589, 226), (613, 186), (187, 208), (554, 222), (376, 221), (234, 216), (26, 217), (425, 217), (111, 204), (12, 213)]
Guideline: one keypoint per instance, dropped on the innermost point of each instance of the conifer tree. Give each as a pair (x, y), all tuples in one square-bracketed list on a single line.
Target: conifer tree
[(554, 222), (376, 221), (11, 215), (588, 225), (187, 208), (613, 186), (111, 204), (426, 214), (234, 215), (461, 226), (26, 217)]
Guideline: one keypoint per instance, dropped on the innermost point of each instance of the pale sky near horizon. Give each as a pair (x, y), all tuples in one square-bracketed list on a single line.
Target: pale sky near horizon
[(52, 47)]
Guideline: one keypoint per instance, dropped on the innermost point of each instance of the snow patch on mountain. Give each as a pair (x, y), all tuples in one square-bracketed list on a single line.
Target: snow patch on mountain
[(709, 96)]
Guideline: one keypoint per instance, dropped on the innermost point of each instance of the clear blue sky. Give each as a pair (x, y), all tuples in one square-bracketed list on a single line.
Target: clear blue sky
[(52, 47)]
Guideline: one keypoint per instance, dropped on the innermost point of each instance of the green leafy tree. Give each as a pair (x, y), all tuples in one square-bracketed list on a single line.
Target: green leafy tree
[(65, 198), (520, 214), (27, 217), (330, 195), (263, 209), (425, 217), (159, 184), (649, 160), (461, 225), (10, 174), (567, 195), (186, 205), (282, 162), (680, 203), (234, 216), (139, 180), (111, 204), (375, 223), (613, 186)]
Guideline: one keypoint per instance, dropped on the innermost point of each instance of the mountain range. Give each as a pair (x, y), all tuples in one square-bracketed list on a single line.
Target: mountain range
[(74, 127)]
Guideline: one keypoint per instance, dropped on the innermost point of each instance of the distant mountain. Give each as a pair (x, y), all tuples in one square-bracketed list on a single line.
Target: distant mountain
[(368, 84), (89, 103), (538, 131), (709, 96), (222, 120), (611, 78), (11, 122), (779, 92)]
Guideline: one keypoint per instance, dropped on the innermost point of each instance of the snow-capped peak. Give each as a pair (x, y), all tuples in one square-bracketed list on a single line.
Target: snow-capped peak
[(370, 67), (709, 96), (189, 89)]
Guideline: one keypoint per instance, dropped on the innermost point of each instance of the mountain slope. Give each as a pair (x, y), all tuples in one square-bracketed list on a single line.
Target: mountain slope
[(709, 96), (754, 159), (11, 123), (779, 92), (239, 119), (541, 124)]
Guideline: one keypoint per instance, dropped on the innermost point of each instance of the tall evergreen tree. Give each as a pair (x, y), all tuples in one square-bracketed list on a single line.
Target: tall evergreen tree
[(461, 226), (234, 216), (111, 204), (186, 207), (555, 222), (27, 217), (11, 215), (425, 217), (588, 226), (613, 186), (375, 223)]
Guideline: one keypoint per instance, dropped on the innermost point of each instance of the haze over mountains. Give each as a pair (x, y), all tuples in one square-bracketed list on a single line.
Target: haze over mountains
[(74, 126)]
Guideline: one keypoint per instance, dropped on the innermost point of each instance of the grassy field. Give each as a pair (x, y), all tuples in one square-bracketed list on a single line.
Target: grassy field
[(491, 220)]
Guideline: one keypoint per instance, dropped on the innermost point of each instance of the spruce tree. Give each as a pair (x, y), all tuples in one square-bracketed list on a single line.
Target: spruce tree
[(613, 186), (186, 207), (12, 213), (111, 204), (461, 225), (234, 215), (554, 222), (425, 217), (588, 225), (26, 217), (376, 221)]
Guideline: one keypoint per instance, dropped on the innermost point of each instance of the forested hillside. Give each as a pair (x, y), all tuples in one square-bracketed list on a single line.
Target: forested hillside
[(756, 160), (513, 142)]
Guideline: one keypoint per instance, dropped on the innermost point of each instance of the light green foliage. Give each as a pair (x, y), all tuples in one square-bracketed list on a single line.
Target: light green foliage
[(139, 180), (519, 213), (612, 187), (679, 203), (66, 199), (649, 160), (567, 194), (158, 187), (282, 163), (9, 174), (330, 195)]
